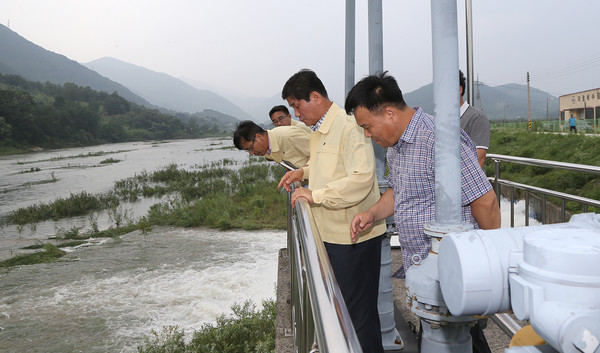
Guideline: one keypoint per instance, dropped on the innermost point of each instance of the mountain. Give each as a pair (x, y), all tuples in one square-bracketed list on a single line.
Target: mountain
[(498, 102), (257, 107), (34, 63), (163, 90)]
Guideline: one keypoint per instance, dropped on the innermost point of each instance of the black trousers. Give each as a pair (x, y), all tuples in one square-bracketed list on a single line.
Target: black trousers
[(356, 268)]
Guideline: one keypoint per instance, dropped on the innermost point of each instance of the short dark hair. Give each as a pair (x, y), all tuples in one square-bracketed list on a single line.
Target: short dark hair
[(462, 81), (302, 84), (374, 93), (278, 108), (246, 130)]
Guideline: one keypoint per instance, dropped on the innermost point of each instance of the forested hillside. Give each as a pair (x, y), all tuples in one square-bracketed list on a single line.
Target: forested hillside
[(51, 115)]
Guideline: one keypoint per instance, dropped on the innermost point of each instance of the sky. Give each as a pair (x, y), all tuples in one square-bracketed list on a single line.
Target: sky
[(252, 47)]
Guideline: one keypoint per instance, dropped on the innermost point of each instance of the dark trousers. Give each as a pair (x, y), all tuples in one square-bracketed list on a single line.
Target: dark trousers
[(480, 344), (573, 128), (356, 268)]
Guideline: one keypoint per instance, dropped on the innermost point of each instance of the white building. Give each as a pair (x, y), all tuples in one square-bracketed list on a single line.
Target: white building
[(584, 105)]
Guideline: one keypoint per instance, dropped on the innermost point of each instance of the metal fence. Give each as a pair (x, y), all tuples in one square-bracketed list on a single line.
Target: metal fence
[(529, 190), (320, 319)]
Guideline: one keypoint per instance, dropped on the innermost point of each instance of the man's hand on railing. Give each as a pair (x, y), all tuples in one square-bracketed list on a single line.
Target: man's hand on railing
[(290, 177), (304, 193)]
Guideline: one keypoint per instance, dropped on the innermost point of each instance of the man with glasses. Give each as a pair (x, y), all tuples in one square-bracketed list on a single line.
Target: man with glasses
[(285, 143), (280, 116)]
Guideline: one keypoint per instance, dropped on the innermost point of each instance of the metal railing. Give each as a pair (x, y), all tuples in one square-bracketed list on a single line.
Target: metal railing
[(528, 189), (320, 319)]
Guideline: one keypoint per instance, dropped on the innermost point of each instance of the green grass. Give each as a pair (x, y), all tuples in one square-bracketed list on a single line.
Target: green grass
[(247, 330), (109, 161), (74, 205), (49, 254)]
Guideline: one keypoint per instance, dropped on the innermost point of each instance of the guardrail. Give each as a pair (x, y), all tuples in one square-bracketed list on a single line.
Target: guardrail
[(320, 319), (497, 158)]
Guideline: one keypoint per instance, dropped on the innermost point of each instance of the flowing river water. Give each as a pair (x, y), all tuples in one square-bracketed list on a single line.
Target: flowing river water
[(107, 295)]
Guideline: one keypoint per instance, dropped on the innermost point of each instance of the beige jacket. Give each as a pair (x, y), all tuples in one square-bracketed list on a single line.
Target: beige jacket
[(289, 143), (301, 124), (341, 175)]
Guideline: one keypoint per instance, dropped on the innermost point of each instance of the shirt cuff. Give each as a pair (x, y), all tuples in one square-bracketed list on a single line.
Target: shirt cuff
[(305, 173), (317, 196)]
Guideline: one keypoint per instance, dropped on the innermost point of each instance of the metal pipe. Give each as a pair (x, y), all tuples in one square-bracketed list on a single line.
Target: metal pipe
[(469, 38), (544, 163), (496, 178), (447, 124), (376, 67), (375, 37), (512, 206), (558, 194), (544, 209), (526, 208), (350, 45)]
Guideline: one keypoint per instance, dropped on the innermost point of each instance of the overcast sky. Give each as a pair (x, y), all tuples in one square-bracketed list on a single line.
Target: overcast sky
[(252, 47)]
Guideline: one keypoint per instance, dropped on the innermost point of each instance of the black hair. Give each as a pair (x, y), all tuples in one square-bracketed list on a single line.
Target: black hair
[(374, 93), (278, 108), (302, 84), (246, 130), (462, 81)]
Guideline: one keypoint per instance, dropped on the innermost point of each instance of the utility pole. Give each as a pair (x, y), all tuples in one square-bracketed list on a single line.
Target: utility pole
[(528, 102)]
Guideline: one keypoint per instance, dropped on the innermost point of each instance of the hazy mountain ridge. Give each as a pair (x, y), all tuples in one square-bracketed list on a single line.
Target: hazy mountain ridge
[(163, 90), (496, 101), (32, 62), (153, 89)]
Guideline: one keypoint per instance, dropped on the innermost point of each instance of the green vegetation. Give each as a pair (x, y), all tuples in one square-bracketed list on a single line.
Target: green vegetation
[(572, 148), (74, 205), (109, 161), (211, 196), (247, 330), (51, 116), (50, 253)]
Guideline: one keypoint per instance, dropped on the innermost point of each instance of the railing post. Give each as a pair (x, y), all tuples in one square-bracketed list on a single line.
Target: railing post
[(526, 208), (496, 178), (544, 209), (512, 207)]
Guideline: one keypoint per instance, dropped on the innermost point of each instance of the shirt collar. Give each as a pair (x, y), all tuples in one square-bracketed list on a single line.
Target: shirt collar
[(316, 126), (411, 130), (463, 108)]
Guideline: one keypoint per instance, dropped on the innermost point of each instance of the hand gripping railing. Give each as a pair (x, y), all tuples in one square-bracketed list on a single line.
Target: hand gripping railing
[(320, 319)]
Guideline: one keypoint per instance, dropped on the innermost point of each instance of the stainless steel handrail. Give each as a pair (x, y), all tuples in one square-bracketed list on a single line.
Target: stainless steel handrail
[(497, 158), (321, 296), (545, 163)]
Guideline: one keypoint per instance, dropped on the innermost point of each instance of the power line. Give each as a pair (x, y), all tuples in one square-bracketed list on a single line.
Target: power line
[(563, 70)]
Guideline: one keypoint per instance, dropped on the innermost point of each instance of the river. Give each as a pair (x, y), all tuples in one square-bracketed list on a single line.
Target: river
[(107, 295)]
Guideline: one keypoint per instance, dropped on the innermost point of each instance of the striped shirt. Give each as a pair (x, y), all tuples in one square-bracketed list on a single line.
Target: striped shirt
[(412, 177)]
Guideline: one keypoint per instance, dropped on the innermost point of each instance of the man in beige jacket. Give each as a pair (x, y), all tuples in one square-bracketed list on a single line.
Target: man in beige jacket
[(341, 183), (284, 143)]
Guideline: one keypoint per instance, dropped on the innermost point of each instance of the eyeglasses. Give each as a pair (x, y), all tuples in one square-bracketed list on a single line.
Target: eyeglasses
[(280, 119), (251, 149)]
